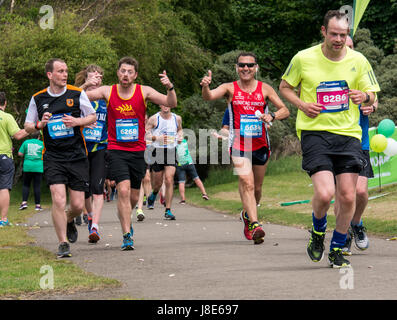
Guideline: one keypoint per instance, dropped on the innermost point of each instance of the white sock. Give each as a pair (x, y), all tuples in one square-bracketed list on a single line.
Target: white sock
[(94, 225)]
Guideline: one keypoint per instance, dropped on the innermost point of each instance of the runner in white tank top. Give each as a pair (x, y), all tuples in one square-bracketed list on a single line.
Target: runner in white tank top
[(165, 130)]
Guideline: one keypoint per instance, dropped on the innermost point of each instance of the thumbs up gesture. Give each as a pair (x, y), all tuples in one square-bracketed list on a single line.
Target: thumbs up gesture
[(165, 81), (205, 82)]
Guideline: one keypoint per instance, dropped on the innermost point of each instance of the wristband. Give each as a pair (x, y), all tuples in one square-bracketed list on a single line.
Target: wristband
[(170, 89), (36, 126), (367, 99)]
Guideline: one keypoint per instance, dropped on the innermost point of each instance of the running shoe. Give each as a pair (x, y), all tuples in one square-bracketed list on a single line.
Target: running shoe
[(360, 237), (89, 223), (150, 201), (38, 207), (128, 243), (4, 223), (85, 218), (23, 206), (71, 232), (64, 250), (168, 215), (140, 216), (337, 260), (205, 197), (246, 221), (162, 200), (315, 248), (78, 220), (258, 234), (93, 236), (346, 249), (182, 202)]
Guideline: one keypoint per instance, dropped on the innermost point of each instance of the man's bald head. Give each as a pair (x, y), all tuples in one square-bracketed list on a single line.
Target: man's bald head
[(349, 42)]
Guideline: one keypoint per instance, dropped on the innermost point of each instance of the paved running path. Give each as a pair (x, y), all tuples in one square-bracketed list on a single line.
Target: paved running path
[(203, 255)]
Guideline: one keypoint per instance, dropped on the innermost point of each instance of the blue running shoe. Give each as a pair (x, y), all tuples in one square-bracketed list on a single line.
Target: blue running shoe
[(168, 215), (4, 223), (93, 236), (128, 243), (151, 200)]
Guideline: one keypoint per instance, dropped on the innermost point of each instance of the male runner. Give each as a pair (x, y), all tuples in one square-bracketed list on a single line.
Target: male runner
[(249, 140), (126, 135), (165, 130), (60, 112), (334, 80), (8, 128)]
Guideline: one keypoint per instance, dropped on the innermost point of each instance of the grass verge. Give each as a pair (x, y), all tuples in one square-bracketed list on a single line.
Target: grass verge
[(21, 261)]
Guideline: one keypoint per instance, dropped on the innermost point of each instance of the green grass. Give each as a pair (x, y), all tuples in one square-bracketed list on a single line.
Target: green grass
[(21, 259), (284, 182)]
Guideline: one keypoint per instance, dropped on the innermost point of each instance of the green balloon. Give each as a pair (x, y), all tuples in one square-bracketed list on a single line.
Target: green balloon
[(386, 127)]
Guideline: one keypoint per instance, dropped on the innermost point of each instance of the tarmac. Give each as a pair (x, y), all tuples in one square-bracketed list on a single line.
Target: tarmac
[(203, 255)]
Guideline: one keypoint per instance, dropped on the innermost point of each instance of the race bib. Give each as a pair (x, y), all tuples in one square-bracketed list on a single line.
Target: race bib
[(57, 129), (250, 126), (93, 134), (333, 96), (127, 130), (171, 138)]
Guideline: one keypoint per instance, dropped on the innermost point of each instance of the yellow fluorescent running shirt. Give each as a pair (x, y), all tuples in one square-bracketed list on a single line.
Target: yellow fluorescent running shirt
[(328, 81)]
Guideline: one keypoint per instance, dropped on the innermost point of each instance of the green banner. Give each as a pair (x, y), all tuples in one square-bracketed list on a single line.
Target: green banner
[(359, 7), (384, 167)]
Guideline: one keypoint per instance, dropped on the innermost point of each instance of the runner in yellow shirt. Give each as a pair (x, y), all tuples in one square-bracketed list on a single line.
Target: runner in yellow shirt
[(334, 80)]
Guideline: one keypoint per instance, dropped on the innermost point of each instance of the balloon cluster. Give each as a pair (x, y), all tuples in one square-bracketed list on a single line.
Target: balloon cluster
[(382, 142)]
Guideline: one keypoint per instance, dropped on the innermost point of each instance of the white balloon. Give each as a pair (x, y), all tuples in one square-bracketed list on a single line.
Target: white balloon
[(391, 148)]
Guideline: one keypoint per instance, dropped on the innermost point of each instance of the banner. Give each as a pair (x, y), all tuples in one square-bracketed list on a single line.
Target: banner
[(359, 7), (384, 167)]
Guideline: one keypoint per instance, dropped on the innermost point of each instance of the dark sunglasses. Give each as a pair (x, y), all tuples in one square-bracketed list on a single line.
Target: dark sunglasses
[(249, 65)]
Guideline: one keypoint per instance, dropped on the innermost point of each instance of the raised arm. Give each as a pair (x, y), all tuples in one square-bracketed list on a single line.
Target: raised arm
[(99, 93), (217, 93), (156, 97)]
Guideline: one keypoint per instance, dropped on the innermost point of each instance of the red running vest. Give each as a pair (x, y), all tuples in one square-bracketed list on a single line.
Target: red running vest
[(248, 133), (126, 120)]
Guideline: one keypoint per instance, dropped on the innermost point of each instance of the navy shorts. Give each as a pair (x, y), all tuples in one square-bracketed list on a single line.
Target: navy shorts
[(258, 157), (7, 170), (188, 169)]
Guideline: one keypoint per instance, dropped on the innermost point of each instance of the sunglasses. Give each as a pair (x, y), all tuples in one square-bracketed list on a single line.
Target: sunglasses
[(249, 65)]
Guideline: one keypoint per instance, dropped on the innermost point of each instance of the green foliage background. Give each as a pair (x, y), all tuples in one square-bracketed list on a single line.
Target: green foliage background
[(186, 38)]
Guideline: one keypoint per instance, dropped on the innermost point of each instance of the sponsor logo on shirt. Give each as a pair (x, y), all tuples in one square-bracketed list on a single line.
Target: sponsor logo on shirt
[(69, 103), (126, 110)]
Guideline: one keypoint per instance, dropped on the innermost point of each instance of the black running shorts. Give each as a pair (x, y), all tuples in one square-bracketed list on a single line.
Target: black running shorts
[(73, 174), (127, 165), (367, 170), (97, 164), (325, 151), (158, 158)]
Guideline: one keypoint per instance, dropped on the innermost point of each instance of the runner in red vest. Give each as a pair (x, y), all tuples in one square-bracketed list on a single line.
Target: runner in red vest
[(249, 140), (126, 135)]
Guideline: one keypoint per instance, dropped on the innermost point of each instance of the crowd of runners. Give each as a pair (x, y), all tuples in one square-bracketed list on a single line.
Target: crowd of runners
[(99, 137)]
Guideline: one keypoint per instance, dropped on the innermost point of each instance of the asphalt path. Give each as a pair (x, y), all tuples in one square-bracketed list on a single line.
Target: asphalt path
[(203, 255)]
